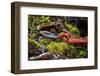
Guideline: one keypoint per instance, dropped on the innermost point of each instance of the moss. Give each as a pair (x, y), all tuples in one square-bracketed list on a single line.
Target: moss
[(75, 30), (83, 53), (74, 51), (72, 28), (67, 25), (46, 41), (57, 47)]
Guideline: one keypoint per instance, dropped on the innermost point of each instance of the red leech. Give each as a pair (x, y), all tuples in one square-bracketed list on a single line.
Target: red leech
[(80, 41)]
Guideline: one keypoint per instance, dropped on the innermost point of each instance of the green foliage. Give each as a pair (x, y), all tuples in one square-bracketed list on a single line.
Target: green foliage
[(34, 43), (72, 28), (75, 30), (67, 25), (30, 20), (46, 41), (83, 53), (35, 35), (36, 20), (57, 47), (44, 19), (71, 51)]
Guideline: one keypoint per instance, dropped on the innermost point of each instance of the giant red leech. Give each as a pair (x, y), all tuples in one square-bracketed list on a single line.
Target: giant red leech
[(70, 40)]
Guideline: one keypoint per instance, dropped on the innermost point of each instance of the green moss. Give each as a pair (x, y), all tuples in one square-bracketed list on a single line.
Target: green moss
[(72, 28), (74, 51), (75, 30), (46, 41), (83, 53), (57, 47), (67, 25)]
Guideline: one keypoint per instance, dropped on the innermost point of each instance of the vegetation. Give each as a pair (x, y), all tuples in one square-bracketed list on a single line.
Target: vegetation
[(57, 47), (56, 25)]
